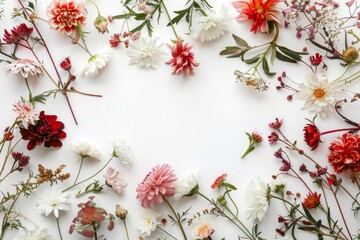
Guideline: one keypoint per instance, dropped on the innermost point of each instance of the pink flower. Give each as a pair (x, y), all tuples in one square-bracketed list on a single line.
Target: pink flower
[(183, 59), (157, 184), (219, 181), (66, 15), (115, 180)]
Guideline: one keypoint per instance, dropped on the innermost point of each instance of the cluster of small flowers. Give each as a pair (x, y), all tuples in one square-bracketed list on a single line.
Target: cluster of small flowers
[(251, 80), (143, 6)]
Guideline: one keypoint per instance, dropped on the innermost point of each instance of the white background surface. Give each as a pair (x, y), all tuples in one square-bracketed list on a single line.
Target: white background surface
[(192, 123)]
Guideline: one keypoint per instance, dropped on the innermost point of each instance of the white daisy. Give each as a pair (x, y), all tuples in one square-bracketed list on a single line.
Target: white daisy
[(25, 66), (257, 195), (122, 151), (186, 186), (85, 149), (33, 234), (95, 64), (212, 26), (26, 112), (203, 230), (320, 95), (147, 221), (54, 200), (146, 52)]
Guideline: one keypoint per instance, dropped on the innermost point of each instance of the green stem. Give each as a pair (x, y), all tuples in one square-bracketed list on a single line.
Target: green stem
[(168, 15), (30, 93), (78, 174), (176, 217), (338, 79), (233, 202), (163, 230), (126, 230), (58, 227), (6, 136)]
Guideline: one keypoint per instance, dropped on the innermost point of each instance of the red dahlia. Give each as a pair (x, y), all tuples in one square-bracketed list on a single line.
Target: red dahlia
[(345, 154), (46, 129), (312, 135)]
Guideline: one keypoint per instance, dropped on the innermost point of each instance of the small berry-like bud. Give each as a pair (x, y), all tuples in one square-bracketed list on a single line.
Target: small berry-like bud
[(350, 55)]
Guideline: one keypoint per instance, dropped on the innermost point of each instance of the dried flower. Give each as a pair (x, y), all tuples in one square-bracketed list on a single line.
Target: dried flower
[(21, 161), (147, 222), (122, 151), (186, 186), (48, 175), (203, 230), (219, 181), (53, 201), (101, 24), (312, 200), (26, 112), (251, 80), (157, 184), (115, 180), (95, 64), (26, 67), (257, 196)]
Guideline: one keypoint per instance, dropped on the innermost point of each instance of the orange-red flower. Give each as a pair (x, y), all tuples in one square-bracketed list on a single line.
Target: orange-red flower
[(259, 11), (219, 181), (312, 200)]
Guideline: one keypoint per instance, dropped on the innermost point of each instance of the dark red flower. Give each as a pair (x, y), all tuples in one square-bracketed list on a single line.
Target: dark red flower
[(66, 64), (345, 154), (312, 200), (21, 32), (46, 130), (277, 124), (316, 59), (286, 166), (219, 181), (115, 40), (21, 161), (273, 138), (312, 135)]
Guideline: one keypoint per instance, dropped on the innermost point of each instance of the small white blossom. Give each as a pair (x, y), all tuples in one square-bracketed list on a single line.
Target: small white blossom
[(146, 52), (53, 201), (26, 112), (257, 198), (122, 151), (186, 185), (85, 149), (212, 26), (25, 66), (252, 80), (95, 64), (34, 234), (147, 221)]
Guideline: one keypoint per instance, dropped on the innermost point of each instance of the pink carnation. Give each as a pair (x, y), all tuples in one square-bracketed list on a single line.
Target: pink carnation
[(157, 184), (115, 180)]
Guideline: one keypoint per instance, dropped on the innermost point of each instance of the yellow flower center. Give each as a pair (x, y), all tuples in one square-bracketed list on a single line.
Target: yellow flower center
[(202, 229), (260, 10), (319, 93)]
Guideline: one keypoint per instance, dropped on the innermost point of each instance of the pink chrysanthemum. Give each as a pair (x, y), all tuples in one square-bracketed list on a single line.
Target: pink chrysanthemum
[(65, 15), (157, 184), (183, 59), (26, 112)]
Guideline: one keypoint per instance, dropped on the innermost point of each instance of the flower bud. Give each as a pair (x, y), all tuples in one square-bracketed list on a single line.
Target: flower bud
[(121, 212), (101, 24), (66, 64), (350, 55), (221, 199)]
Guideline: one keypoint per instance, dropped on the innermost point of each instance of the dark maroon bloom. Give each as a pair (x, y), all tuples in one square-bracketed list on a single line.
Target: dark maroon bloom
[(21, 32), (303, 168), (316, 59), (286, 166), (21, 161), (321, 171), (274, 137), (66, 64), (46, 130), (8, 136), (312, 135), (281, 232), (277, 124)]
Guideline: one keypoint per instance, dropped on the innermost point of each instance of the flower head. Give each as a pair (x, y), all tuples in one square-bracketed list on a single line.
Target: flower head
[(66, 64), (319, 94), (121, 212), (54, 201), (316, 59), (95, 64), (115, 180), (46, 130), (345, 154), (186, 186), (312, 135), (25, 66), (26, 112), (183, 59), (277, 124), (212, 26), (158, 183), (33, 234), (257, 195), (101, 24), (66, 15), (252, 80), (85, 149), (146, 52), (219, 181), (312, 200), (203, 230), (147, 221), (21, 32), (260, 12), (122, 151), (21, 161)]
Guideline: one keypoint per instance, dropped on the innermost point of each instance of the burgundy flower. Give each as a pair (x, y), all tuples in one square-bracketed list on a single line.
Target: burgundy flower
[(312, 200), (286, 166), (219, 181), (183, 59), (21, 161), (345, 154), (46, 130), (316, 59), (277, 124), (21, 32), (312, 135), (273, 138), (66, 64)]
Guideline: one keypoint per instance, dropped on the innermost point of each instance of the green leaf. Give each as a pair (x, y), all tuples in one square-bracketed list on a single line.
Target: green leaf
[(122, 16), (240, 42), (232, 51), (273, 54), (308, 214), (138, 28), (251, 60), (271, 25), (230, 186), (31, 6), (266, 69), (292, 54), (284, 58), (320, 46)]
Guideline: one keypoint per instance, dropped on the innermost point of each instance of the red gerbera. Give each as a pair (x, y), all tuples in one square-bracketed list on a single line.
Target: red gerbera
[(312, 200), (66, 15), (345, 154), (259, 11), (183, 59), (46, 129)]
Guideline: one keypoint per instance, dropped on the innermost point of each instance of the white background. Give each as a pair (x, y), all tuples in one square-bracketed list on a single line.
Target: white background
[(192, 123)]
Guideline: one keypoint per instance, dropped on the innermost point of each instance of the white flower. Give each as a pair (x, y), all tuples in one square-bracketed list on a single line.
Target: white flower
[(257, 198), (212, 26), (146, 52), (34, 234), (122, 151), (54, 200), (85, 149), (203, 230), (96, 63), (25, 66), (320, 95), (26, 112), (186, 185), (147, 221)]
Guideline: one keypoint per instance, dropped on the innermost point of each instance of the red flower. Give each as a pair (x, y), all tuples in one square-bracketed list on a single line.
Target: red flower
[(273, 138), (183, 59), (312, 135), (345, 154), (115, 40), (21, 161), (21, 32), (312, 200), (316, 59), (66, 64), (46, 129), (219, 181), (259, 11), (277, 124)]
